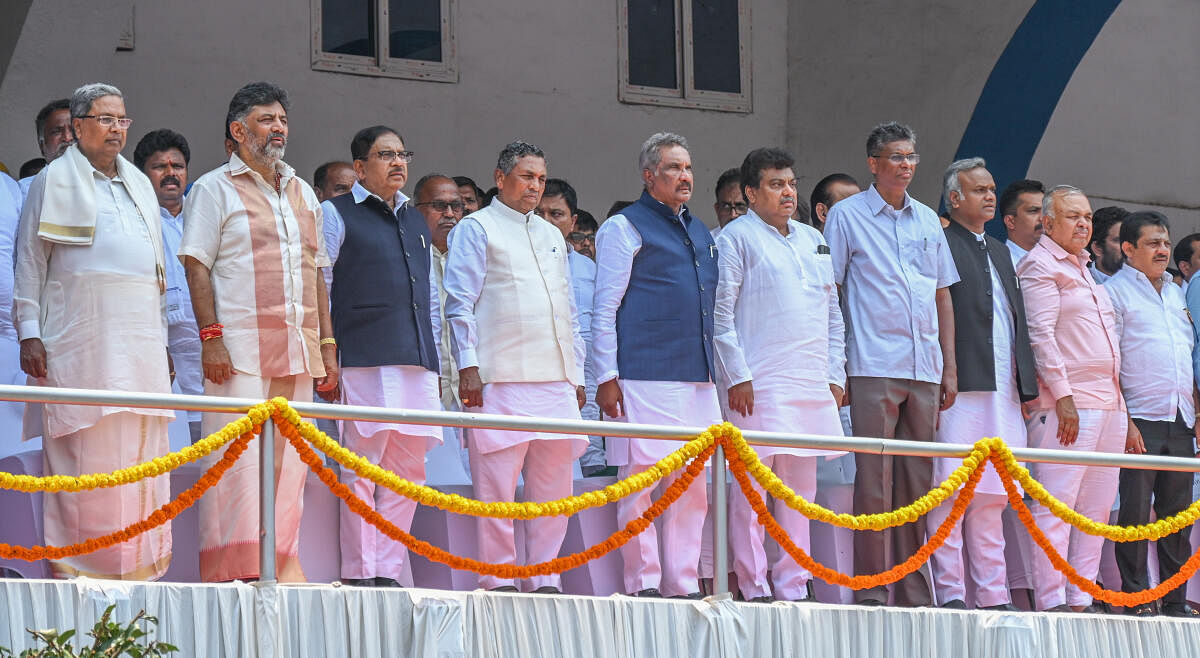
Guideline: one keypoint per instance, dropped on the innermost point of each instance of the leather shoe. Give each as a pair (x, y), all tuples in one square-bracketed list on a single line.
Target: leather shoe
[(762, 599), (358, 582), (505, 588), (1002, 607), (955, 604), (871, 603), (649, 593), (1062, 607), (1093, 609), (384, 581), (695, 596), (1180, 610), (547, 589), (1143, 610)]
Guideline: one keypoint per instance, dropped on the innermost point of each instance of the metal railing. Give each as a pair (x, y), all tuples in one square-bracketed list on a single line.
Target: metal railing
[(599, 428)]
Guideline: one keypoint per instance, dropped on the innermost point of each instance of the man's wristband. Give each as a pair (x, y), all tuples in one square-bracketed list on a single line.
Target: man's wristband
[(329, 341)]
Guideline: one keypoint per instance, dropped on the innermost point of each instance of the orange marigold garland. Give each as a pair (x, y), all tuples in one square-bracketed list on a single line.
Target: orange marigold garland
[(435, 554), (864, 581), (1123, 599), (160, 516)]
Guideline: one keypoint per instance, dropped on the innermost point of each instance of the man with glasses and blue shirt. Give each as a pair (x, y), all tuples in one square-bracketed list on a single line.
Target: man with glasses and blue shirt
[(894, 270), (730, 204), (386, 315)]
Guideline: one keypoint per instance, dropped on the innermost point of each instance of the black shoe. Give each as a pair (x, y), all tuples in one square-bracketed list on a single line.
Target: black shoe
[(1093, 609), (1180, 610), (547, 589), (1062, 607), (694, 596), (1002, 607), (505, 588), (358, 582), (762, 599), (1143, 610), (649, 593), (955, 604), (871, 603), (384, 581)]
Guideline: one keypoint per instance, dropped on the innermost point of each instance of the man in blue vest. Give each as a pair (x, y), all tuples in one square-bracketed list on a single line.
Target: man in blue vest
[(385, 314), (652, 329)]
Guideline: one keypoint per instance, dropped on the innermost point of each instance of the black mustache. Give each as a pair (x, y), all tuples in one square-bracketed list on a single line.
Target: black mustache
[(167, 180)]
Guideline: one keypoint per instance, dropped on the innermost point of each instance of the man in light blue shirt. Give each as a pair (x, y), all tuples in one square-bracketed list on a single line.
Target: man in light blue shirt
[(163, 156)]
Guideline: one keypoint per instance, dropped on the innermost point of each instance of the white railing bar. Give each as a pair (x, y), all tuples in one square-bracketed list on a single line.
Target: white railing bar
[(599, 428)]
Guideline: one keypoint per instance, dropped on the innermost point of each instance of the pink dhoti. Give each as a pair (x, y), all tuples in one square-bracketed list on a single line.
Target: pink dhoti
[(229, 512), (116, 441)]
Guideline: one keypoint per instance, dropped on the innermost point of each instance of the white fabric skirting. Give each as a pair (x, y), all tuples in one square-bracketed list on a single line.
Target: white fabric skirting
[(317, 621)]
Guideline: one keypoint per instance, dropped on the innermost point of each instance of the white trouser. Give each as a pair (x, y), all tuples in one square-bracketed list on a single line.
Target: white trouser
[(983, 531), (546, 465), (682, 525), (749, 557), (366, 552), (1089, 490)]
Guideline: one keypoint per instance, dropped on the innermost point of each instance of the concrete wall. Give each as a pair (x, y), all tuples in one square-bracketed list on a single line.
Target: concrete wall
[(542, 70)]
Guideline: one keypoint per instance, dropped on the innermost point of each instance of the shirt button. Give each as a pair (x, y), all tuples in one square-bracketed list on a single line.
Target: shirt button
[(697, 263), (413, 279), (989, 293), (687, 242), (407, 255), (414, 306)]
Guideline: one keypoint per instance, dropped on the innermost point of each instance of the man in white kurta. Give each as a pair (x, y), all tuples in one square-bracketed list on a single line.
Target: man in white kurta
[(89, 313), (11, 201), (777, 322), (652, 346), (989, 318), (516, 338), (387, 313)]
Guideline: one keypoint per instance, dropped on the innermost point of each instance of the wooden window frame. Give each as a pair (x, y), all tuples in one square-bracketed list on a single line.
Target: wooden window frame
[(382, 65)]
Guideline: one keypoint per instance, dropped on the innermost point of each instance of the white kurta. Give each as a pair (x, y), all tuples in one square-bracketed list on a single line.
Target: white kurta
[(670, 403), (778, 324), (979, 414)]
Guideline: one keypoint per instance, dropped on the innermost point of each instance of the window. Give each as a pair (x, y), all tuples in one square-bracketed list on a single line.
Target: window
[(392, 38), (685, 53)]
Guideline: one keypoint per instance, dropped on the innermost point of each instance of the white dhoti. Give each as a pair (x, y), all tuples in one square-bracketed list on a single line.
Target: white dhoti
[(367, 553), (663, 403), (499, 457), (1089, 490), (780, 405)]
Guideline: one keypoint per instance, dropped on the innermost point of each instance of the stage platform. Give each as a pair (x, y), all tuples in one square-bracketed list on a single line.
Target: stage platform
[(316, 621)]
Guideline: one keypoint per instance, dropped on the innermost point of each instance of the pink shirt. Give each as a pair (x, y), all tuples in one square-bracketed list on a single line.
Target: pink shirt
[(1072, 326)]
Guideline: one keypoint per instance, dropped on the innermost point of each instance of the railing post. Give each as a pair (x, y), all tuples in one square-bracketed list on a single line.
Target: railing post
[(720, 524), (266, 502)]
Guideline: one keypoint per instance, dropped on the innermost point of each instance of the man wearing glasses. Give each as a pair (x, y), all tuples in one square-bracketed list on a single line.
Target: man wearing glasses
[(253, 249), (892, 264), (439, 200), (730, 204), (386, 316), (583, 238), (89, 302)]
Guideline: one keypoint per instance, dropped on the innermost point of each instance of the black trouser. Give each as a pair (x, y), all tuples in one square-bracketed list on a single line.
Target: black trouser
[(1172, 493)]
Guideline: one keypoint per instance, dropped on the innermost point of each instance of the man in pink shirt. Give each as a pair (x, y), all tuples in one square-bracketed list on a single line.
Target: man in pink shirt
[(1072, 326)]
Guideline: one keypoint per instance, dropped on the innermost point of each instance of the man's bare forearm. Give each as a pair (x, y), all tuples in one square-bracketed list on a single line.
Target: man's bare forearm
[(204, 305)]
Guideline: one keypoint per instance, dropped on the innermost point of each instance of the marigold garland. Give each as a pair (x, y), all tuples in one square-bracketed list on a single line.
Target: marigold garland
[(864, 581), (160, 516), (153, 468), (507, 571), (1124, 599), (880, 521), (425, 495)]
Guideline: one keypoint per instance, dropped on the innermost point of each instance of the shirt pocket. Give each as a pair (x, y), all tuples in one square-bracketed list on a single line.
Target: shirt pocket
[(176, 301), (823, 274)]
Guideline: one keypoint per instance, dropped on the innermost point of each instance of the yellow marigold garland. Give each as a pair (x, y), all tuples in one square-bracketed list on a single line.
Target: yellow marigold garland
[(153, 468), (288, 417), (907, 514)]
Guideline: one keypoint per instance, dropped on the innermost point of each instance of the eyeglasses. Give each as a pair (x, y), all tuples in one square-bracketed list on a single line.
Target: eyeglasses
[(109, 121), (389, 156), (576, 236), (443, 206), (739, 207), (901, 158)]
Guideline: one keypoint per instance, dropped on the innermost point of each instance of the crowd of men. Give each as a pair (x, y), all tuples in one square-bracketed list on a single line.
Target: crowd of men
[(855, 310)]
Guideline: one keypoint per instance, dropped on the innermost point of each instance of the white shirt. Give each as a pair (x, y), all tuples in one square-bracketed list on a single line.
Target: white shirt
[(583, 282), (890, 264), (1156, 339), (1016, 251), (767, 324), (335, 235), (468, 242), (11, 201)]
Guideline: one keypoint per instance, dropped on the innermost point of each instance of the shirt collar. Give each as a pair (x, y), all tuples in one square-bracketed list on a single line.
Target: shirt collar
[(498, 206), (762, 223), (876, 202), (662, 209), (1128, 271), (362, 194), (168, 217), (238, 167), (1058, 252)]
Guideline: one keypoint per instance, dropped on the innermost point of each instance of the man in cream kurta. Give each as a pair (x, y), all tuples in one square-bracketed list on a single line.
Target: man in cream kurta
[(89, 313), (516, 338), (777, 321), (253, 247)]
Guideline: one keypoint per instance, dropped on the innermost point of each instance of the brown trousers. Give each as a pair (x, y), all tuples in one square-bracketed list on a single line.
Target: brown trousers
[(888, 408)]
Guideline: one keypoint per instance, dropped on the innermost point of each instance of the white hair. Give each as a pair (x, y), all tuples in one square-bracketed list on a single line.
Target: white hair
[(652, 148), (82, 99), (950, 182), (1058, 191)]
